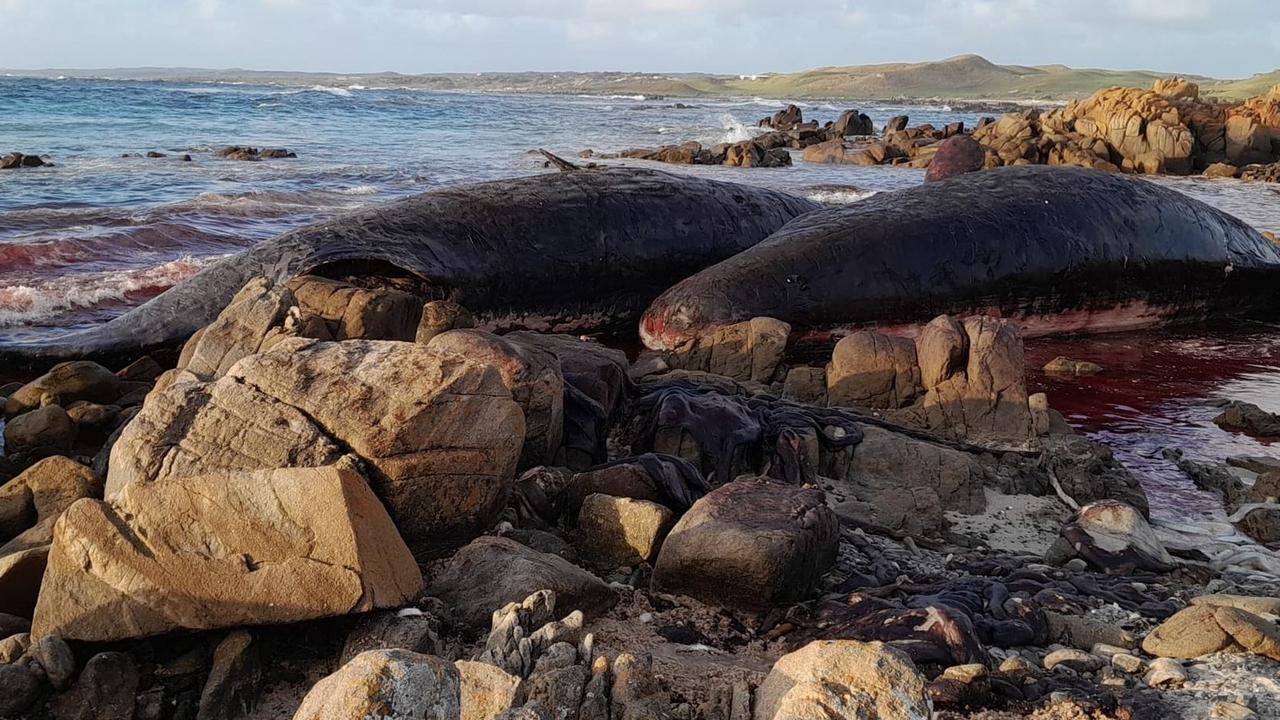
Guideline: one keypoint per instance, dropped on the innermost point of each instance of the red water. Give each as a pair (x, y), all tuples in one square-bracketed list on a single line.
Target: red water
[(1158, 391)]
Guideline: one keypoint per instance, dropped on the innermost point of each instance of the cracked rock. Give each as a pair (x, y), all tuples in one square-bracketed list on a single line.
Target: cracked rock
[(223, 550)]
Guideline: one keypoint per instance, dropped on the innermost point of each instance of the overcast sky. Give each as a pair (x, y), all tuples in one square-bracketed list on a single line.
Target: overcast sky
[(1223, 38)]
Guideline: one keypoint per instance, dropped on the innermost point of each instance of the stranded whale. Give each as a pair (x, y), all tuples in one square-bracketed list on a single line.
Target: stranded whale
[(1058, 249), (576, 251)]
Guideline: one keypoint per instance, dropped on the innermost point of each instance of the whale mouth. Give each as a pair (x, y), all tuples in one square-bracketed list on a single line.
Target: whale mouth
[(377, 274), (670, 329)]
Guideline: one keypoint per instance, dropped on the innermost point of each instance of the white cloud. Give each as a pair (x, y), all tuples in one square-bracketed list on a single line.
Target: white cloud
[(1216, 37)]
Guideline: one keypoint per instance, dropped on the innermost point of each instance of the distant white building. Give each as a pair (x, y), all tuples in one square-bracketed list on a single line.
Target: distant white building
[(755, 77)]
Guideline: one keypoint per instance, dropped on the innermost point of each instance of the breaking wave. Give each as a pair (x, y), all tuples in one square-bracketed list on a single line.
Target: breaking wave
[(836, 194), (29, 303), (340, 92), (735, 130)]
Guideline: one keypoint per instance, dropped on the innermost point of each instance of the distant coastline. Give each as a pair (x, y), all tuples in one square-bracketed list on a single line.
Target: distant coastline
[(964, 78)]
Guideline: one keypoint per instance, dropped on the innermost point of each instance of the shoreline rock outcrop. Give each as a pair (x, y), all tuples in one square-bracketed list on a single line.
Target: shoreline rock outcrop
[(751, 543), (784, 129), (16, 160), (228, 550), (440, 433), (717, 533), (1168, 129)]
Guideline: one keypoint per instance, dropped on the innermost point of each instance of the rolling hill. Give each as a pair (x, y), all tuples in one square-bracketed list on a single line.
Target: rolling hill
[(966, 77)]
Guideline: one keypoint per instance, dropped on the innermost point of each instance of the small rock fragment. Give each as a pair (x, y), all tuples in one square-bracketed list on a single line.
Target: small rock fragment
[(614, 531), (1127, 663), (1077, 660), (389, 685), (56, 658), (105, 690), (1165, 672)]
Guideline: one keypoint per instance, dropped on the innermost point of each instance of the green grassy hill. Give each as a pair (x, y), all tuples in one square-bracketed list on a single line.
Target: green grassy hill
[(1236, 89), (963, 77), (966, 77)]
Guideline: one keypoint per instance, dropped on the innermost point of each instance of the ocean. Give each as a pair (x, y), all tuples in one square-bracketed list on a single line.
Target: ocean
[(97, 233)]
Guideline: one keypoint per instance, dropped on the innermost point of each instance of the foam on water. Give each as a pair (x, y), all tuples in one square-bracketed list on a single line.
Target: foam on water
[(360, 190), (22, 304), (735, 130), (838, 196), (340, 92)]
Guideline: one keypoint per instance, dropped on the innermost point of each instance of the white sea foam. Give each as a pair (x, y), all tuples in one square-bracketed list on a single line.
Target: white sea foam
[(23, 303), (735, 130), (340, 92), (276, 201), (360, 190), (838, 196)]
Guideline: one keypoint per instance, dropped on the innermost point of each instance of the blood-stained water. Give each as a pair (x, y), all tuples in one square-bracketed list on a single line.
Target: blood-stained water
[(1159, 390)]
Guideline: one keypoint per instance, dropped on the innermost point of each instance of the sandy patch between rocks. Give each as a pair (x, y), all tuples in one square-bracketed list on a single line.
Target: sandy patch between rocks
[(1019, 524)]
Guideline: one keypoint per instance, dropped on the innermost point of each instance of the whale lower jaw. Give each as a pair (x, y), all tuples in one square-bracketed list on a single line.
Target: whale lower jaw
[(1132, 316), (1124, 317)]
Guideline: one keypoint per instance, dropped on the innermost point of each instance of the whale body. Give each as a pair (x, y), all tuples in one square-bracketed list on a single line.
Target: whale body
[(1059, 250)]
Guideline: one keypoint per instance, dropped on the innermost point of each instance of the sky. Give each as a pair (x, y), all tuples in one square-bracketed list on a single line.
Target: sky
[(1220, 38)]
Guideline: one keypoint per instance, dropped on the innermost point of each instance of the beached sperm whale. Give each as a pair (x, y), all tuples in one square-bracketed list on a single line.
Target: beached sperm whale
[(1059, 249), (574, 251)]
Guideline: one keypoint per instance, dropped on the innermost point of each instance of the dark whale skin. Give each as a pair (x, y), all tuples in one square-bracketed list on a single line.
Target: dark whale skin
[(572, 251), (1061, 250)]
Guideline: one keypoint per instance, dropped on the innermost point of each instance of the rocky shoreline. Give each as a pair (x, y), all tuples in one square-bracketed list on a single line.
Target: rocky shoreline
[(1166, 130), (17, 160), (343, 503)]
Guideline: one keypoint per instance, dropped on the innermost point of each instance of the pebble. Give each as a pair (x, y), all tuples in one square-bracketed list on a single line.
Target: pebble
[(55, 656), (646, 617), (1076, 565), (1127, 663), (14, 647), (966, 674), (1018, 668), (1077, 660), (1165, 672), (1107, 652)]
